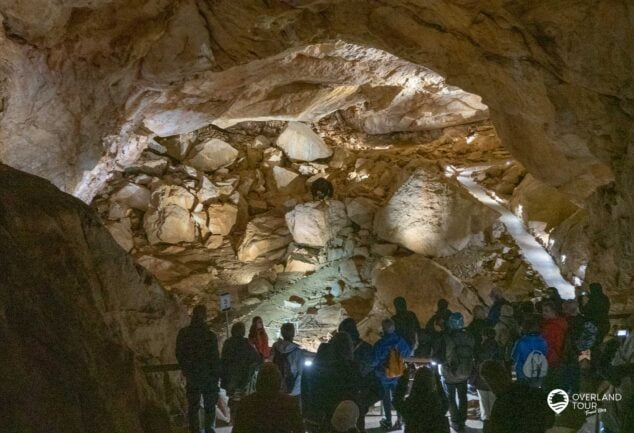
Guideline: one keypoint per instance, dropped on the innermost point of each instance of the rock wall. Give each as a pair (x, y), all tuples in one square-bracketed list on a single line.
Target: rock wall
[(77, 319), (78, 84)]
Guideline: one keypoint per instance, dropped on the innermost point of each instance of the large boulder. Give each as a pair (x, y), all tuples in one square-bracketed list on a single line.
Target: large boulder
[(212, 155), (422, 282), (264, 234), (134, 196), (314, 224), (170, 224), (540, 206), (222, 218), (571, 246), (300, 143), (78, 319), (166, 195), (431, 216), (361, 211)]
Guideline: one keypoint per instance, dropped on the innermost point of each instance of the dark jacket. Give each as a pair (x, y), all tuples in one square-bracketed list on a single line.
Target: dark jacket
[(495, 310), (197, 354), (407, 326), (598, 310), (487, 350), (423, 411), (462, 342), (333, 382), (269, 413), (238, 363), (442, 314), (476, 327), (521, 409)]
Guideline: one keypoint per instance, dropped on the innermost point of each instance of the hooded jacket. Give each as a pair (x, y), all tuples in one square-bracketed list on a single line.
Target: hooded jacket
[(554, 331), (295, 357), (238, 362)]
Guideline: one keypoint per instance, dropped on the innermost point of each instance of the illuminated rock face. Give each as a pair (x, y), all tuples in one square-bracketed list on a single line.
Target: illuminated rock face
[(560, 99), (430, 216), (314, 224), (78, 317)]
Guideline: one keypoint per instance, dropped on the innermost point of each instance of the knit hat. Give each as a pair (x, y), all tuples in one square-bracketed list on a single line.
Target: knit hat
[(345, 416), (456, 321)]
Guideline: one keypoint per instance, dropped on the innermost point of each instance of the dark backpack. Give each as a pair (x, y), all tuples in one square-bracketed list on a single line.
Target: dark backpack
[(288, 378), (460, 356), (587, 337)]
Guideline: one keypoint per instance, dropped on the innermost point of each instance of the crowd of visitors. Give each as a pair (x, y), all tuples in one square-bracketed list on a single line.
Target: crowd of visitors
[(510, 354)]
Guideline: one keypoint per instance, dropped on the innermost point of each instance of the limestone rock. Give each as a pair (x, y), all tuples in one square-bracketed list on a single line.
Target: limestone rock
[(430, 216), (122, 233), (170, 224), (263, 234), (570, 245), (284, 177), (193, 284), (534, 201), (79, 314), (361, 211), (316, 223), (422, 282), (166, 195), (298, 264), (300, 143), (384, 249), (212, 155), (154, 168), (214, 241), (134, 196), (208, 191), (259, 286), (222, 218)]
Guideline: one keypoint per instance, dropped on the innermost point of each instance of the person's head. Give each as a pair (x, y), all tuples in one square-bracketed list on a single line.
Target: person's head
[(238, 329), (570, 307), (257, 323), (531, 324), (345, 417), (342, 348), (349, 326), (388, 326), (423, 381), (496, 376), (596, 289), (288, 331), (455, 321), (199, 314), (269, 379), (549, 311), (479, 312), (506, 311), (488, 333), (400, 304), (442, 304)]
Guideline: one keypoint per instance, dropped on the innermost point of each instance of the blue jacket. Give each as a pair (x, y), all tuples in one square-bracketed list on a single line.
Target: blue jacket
[(523, 347), (381, 353)]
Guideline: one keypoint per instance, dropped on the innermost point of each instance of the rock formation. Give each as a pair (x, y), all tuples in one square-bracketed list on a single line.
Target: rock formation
[(79, 319)]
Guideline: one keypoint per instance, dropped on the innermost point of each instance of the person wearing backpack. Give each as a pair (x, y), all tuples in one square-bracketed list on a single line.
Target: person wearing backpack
[(507, 330), (199, 360), (457, 363), (388, 362), (289, 358), (529, 354)]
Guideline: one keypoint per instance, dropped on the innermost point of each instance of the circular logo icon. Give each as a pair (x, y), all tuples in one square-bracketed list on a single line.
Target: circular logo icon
[(558, 400)]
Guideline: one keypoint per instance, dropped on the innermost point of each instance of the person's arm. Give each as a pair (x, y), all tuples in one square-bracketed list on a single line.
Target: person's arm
[(215, 355)]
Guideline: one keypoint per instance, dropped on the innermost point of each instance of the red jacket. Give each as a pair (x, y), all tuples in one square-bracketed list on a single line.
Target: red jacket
[(261, 343), (554, 331)]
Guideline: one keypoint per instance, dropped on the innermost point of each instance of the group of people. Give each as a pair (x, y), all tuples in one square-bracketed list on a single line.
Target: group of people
[(549, 344)]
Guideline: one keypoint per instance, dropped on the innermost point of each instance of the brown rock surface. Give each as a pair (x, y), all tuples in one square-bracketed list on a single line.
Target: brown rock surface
[(79, 317)]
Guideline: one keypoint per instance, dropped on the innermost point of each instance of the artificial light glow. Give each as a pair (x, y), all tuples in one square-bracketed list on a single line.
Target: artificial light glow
[(308, 362)]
